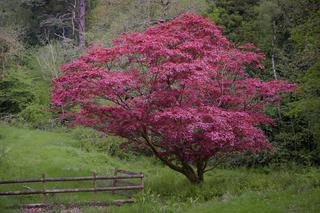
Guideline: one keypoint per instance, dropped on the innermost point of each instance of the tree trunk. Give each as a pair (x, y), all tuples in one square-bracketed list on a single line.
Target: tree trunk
[(273, 50), (194, 176), (165, 7), (82, 17), (273, 60)]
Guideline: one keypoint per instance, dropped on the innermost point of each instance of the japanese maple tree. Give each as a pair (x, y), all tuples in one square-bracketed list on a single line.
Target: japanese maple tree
[(179, 88)]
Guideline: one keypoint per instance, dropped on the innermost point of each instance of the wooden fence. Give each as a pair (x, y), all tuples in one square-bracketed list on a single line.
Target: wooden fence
[(120, 182)]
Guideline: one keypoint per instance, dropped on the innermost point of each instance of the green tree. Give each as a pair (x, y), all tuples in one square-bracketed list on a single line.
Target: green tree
[(108, 19), (287, 32), (307, 107)]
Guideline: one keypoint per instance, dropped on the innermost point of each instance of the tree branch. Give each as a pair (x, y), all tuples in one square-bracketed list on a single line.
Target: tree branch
[(158, 155)]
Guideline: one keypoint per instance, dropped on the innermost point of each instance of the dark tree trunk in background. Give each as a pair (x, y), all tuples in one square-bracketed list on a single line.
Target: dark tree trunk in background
[(273, 50), (82, 22), (165, 7)]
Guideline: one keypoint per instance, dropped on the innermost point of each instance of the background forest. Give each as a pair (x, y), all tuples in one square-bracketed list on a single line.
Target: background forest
[(37, 36)]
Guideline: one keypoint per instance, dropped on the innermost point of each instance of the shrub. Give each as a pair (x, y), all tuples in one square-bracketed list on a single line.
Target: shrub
[(38, 116), (15, 92), (92, 140)]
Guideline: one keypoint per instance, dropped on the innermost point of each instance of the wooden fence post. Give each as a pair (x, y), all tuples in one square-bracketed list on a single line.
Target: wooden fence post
[(142, 182), (43, 178), (114, 182), (94, 177)]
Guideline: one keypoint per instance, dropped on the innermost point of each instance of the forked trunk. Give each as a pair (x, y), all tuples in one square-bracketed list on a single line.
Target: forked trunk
[(195, 177), (82, 17)]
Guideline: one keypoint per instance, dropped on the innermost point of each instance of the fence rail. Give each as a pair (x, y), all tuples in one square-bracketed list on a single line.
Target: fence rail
[(55, 191), (132, 176), (119, 183)]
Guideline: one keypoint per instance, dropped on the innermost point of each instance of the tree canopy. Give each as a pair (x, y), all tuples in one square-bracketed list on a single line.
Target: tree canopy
[(180, 88)]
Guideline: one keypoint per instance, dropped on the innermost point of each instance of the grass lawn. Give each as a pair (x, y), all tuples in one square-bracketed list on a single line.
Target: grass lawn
[(30, 153)]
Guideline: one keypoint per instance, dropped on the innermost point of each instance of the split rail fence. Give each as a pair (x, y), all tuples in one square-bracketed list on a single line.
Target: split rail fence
[(121, 181)]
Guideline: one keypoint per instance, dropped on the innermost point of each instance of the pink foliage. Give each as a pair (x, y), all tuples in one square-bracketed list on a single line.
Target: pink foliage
[(181, 88)]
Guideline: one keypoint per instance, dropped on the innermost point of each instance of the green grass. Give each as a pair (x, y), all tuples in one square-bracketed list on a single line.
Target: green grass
[(29, 153), (264, 202)]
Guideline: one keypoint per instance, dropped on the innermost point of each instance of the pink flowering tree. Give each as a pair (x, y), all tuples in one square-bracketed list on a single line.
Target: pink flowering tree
[(179, 88)]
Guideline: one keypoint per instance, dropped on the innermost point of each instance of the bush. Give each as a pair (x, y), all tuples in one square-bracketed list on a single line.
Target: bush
[(25, 89), (250, 160), (91, 140), (38, 116), (46, 60), (15, 92), (10, 48)]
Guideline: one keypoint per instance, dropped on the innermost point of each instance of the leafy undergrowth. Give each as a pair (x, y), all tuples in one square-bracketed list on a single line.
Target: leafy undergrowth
[(30, 153)]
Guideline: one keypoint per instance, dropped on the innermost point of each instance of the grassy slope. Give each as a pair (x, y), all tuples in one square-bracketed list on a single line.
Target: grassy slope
[(31, 153)]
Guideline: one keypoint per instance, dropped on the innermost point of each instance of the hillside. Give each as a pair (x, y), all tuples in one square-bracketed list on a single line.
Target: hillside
[(29, 153)]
